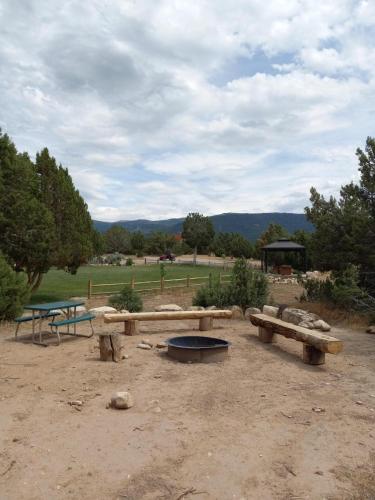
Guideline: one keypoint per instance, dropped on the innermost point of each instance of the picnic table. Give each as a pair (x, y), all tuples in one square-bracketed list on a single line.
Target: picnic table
[(52, 309)]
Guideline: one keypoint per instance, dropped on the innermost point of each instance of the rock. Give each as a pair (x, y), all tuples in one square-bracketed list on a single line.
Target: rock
[(168, 307), (100, 311), (321, 325), (371, 329), (270, 311), (144, 346), (125, 356), (122, 400), (251, 310), (124, 311), (195, 308), (307, 324), (297, 316), (211, 308), (161, 345), (75, 403), (79, 299), (237, 312), (81, 310), (147, 342)]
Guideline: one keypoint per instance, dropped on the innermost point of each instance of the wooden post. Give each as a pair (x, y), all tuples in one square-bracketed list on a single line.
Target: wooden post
[(205, 323), (131, 327), (313, 356), (132, 283), (219, 278), (210, 280), (162, 284), (110, 345), (265, 335), (89, 286), (187, 281)]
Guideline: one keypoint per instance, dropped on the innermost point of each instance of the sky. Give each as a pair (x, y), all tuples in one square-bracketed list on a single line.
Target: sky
[(161, 108)]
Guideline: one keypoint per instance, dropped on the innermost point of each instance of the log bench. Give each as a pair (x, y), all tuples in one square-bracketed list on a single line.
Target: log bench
[(131, 320), (315, 344)]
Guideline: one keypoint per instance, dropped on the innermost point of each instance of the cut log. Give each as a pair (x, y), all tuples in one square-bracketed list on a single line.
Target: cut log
[(110, 346), (313, 356), (172, 315), (320, 341), (205, 323), (131, 327), (266, 336)]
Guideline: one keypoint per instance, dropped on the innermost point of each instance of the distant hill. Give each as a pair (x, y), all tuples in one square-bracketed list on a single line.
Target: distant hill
[(251, 226)]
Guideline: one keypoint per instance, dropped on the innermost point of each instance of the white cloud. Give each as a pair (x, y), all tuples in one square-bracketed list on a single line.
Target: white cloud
[(124, 94)]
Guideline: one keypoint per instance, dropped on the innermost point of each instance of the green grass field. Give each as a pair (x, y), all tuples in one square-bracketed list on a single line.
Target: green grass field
[(59, 285)]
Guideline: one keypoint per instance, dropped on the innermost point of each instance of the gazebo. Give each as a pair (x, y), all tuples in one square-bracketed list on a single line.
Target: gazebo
[(282, 245)]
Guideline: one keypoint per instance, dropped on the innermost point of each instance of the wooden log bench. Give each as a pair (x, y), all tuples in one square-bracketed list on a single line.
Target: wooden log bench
[(131, 320), (315, 344)]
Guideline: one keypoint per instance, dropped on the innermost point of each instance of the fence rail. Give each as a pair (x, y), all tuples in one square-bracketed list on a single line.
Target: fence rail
[(163, 284)]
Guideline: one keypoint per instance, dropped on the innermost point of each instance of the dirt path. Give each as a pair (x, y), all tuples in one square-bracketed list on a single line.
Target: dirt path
[(242, 429)]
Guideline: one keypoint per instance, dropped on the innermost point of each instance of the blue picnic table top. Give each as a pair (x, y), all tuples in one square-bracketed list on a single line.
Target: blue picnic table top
[(48, 306)]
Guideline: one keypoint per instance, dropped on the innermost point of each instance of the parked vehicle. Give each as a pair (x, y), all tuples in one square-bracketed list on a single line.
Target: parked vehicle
[(168, 256)]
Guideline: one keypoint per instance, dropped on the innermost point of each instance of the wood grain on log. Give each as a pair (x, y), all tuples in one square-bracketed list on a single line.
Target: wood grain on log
[(205, 323), (131, 327), (110, 346), (320, 341), (172, 315)]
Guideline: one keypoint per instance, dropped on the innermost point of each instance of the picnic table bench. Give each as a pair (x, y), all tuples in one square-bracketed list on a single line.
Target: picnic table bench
[(68, 308), (315, 344), (131, 319)]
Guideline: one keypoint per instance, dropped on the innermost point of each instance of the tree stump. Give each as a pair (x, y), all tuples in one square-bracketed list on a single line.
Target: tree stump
[(266, 335), (131, 327), (313, 356), (110, 345), (205, 323)]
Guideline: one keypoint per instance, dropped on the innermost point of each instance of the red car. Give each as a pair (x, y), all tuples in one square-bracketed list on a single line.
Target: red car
[(168, 256)]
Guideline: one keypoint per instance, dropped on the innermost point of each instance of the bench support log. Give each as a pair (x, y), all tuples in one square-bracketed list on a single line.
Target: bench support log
[(110, 346), (131, 327), (313, 356), (266, 335), (205, 323)]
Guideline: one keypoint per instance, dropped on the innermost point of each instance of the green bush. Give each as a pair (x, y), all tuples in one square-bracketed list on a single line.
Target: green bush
[(340, 289), (247, 287), (14, 292), (129, 261), (127, 299)]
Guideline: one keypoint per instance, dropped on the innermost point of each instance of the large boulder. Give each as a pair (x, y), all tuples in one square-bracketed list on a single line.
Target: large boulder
[(305, 319), (195, 308), (237, 312), (100, 311), (251, 310), (168, 307), (271, 311), (81, 310)]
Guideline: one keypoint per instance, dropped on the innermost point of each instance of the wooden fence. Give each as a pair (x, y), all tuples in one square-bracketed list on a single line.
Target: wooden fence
[(162, 284)]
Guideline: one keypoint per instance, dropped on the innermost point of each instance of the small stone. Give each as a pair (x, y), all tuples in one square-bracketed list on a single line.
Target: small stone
[(318, 473), (147, 342), (121, 400), (359, 403), (125, 356), (161, 345), (317, 409), (143, 346), (75, 403), (157, 409)]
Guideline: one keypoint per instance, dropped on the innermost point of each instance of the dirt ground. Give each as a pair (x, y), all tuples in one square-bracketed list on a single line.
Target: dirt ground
[(240, 429)]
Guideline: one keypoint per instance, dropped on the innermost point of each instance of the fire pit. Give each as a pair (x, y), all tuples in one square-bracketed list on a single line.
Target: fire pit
[(198, 349)]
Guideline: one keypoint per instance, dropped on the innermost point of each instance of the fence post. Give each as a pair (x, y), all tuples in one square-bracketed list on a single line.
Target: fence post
[(210, 280), (162, 284), (89, 285), (145, 260), (187, 281), (132, 283)]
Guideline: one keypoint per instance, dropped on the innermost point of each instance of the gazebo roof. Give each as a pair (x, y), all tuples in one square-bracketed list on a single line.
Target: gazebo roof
[(284, 244)]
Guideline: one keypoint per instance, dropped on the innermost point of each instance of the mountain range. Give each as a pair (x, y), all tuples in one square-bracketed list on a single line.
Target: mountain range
[(251, 226)]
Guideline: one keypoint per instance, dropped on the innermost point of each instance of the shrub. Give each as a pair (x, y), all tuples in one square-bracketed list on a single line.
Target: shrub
[(127, 299), (129, 261), (341, 290), (14, 292), (247, 287)]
